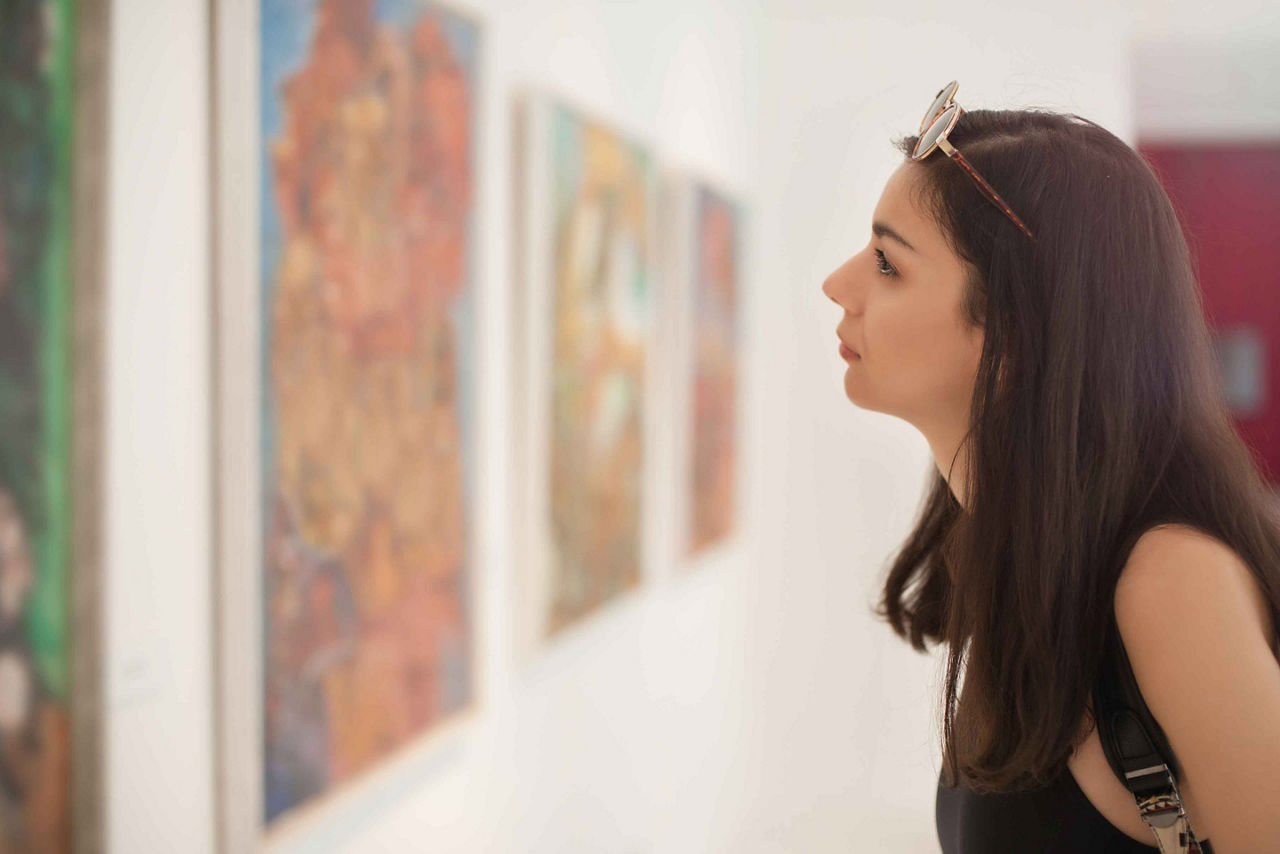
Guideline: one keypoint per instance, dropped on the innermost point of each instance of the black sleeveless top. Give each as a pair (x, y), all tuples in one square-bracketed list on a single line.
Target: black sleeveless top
[(1058, 819)]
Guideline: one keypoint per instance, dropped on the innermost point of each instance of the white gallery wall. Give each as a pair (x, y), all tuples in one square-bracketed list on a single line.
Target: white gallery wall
[(751, 706), (157, 413)]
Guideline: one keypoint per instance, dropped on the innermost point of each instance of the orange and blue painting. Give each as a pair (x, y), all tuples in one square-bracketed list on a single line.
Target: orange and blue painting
[(601, 283), (368, 195), (715, 360), (36, 75)]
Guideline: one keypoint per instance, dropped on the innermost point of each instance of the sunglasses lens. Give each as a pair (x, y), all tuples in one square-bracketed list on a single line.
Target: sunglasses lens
[(946, 94), (930, 137)]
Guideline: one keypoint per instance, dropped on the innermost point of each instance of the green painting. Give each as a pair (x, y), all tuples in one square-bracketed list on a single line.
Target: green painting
[(38, 531)]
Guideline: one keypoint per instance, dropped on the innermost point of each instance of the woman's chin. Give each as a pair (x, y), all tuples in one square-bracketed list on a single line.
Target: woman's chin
[(852, 384), (856, 391)]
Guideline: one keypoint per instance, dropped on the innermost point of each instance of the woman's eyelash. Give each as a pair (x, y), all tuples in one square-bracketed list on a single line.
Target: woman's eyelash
[(883, 265)]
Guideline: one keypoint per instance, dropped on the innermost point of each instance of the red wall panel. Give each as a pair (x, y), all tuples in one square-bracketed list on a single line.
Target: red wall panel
[(1228, 199)]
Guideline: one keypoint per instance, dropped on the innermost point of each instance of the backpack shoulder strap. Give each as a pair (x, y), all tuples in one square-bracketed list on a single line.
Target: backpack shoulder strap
[(1138, 751)]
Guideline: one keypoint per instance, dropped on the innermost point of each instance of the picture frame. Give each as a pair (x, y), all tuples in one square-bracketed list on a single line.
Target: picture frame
[(348, 627), (587, 194), (705, 224)]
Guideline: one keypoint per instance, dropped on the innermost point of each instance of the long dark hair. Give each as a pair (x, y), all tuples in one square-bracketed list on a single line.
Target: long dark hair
[(1097, 414)]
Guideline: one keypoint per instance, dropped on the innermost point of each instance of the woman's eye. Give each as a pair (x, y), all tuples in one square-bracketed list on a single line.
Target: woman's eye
[(883, 266)]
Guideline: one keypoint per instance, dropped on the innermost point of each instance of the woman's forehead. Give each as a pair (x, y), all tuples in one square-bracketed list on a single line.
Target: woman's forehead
[(901, 208)]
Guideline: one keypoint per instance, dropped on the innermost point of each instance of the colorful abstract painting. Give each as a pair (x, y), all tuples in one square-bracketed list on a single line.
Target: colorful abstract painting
[(368, 125), (714, 450), (35, 452), (601, 186)]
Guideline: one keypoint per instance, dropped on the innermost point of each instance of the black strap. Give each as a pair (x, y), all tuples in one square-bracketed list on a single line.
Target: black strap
[(1138, 751), (1131, 738)]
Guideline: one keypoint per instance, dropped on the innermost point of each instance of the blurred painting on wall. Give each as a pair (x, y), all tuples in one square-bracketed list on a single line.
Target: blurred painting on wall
[(702, 234), (362, 318), (714, 454), (52, 58), (584, 363)]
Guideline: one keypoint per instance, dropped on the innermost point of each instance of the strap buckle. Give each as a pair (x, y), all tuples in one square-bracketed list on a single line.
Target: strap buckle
[(1160, 806)]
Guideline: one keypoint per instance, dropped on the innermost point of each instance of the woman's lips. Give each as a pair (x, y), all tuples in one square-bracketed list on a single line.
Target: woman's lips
[(847, 354)]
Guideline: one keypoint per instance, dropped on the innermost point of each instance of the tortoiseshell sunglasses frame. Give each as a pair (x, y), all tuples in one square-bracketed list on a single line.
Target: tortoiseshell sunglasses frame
[(944, 109)]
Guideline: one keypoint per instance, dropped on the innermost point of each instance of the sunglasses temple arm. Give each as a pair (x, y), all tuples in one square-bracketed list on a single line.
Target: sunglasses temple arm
[(986, 188)]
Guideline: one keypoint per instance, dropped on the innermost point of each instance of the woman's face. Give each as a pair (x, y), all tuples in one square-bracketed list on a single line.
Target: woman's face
[(916, 358)]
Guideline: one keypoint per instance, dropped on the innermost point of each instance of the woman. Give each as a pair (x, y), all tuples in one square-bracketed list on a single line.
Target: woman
[(1027, 301)]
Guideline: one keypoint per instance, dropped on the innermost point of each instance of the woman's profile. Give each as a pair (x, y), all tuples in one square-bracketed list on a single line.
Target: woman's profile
[(1028, 302)]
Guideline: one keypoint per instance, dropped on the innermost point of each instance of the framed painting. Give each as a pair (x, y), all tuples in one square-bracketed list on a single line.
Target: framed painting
[(345, 222), (703, 247), (586, 368), (53, 58)]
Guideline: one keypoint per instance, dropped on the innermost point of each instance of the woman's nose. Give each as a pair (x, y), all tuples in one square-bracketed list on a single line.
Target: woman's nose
[(829, 288), (837, 290)]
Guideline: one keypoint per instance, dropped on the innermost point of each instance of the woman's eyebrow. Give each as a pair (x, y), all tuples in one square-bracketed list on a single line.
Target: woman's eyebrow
[(879, 229)]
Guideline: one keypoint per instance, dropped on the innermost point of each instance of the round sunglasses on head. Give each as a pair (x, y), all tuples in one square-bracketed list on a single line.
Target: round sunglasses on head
[(939, 120)]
